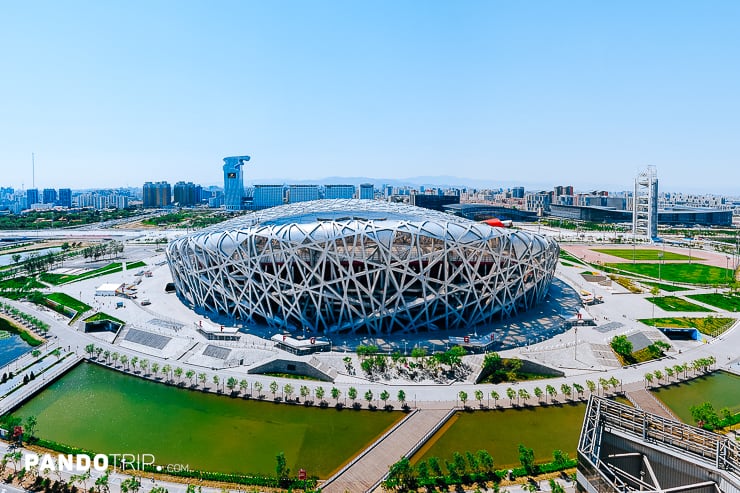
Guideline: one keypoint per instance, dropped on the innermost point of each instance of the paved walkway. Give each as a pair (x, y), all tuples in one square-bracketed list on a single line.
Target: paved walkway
[(644, 400), (372, 465)]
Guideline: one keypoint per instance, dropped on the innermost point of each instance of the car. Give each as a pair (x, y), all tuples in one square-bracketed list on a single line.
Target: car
[(145, 302)]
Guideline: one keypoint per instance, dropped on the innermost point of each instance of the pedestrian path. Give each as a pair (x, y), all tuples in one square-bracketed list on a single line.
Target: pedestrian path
[(642, 399), (364, 473)]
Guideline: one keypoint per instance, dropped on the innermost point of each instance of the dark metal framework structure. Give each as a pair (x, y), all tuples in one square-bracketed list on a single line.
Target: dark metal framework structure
[(624, 449), (361, 266)]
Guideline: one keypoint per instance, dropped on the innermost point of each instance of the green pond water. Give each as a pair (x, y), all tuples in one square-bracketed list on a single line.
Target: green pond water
[(542, 429), (104, 411), (720, 388)]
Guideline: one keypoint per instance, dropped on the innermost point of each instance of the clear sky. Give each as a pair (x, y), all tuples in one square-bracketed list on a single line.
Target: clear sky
[(117, 93)]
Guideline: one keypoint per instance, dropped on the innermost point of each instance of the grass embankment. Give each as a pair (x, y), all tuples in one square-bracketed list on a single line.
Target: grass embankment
[(727, 302), (711, 326), (643, 254), (676, 304), (59, 279), (626, 283), (684, 273), (669, 288), (135, 265), (68, 301), (570, 258), (29, 337), (104, 316)]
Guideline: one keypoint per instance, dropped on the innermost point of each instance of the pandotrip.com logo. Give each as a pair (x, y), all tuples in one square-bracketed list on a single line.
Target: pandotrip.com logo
[(80, 463)]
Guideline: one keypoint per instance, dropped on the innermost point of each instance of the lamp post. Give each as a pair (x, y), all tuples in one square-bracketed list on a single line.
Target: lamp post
[(575, 348)]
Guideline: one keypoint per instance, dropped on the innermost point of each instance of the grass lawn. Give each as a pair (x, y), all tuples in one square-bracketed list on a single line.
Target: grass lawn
[(670, 288), (728, 302), (135, 265), (676, 304), (104, 316), (23, 282), (68, 301), (567, 256), (683, 273), (58, 279), (643, 254), (712, 326)]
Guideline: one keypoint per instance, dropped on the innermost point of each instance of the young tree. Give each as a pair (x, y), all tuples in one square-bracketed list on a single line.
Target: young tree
[(591, 386), (511, 394), (526, 458), (274, 387), (369, 397), (648, 379), (281, 467), (463, 396), (258, 388), (384, 396), (188, 374), (401, 396), (579, 389), (538, 393), (479, 397), (352, 394), (551, 392), (335, 393), (495, 397), (231, 384), (202, 378), (243, 386), (320, 392), (524, 395), (566, 390), (288, 390)]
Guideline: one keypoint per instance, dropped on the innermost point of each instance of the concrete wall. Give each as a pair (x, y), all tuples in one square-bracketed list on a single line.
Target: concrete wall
[(291, 366)]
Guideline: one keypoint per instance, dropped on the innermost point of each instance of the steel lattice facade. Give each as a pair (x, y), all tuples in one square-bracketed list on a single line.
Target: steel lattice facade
[(361, 266)]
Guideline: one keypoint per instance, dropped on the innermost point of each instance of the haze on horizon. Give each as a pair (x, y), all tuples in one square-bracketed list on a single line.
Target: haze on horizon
[(583, 93)]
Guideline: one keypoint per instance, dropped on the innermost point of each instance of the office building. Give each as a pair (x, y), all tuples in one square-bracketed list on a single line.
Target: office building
[(234, 182), (367, 191), (302, 193), (339, 192), (267, 196)]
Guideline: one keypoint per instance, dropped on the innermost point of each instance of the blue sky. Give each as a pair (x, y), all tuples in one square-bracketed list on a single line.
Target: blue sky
[(549, 92)]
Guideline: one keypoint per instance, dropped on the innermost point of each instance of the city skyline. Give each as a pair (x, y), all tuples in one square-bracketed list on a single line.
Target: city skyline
[(113, 96)]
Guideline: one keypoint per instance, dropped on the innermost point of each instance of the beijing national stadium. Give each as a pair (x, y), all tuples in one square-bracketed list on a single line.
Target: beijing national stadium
[(361, 266)]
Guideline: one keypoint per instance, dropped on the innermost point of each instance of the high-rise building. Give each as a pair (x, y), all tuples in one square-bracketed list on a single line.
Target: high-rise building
[(65, 198), (157, 194), (187, 194), (50, 196), (302, 193), (367, 191), (234, 182), (267, 196), (517, 192), (32, 197), (645, 204), (339, 191)]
